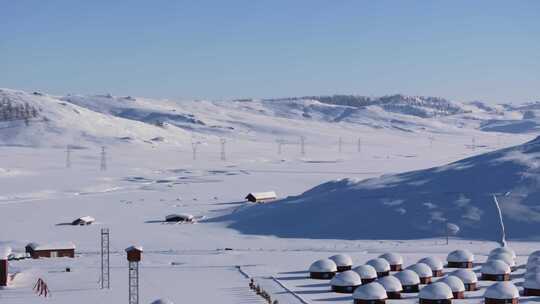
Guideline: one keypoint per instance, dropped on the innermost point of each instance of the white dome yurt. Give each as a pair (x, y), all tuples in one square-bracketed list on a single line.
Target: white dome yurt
[(531, 285), (409, 280), (423, 271), (392, 285), (501, 293), (343, 262), (324, 269), (495, 270), (372, 293), (367, 273), (456, 285), (436, 293), (435, 264), (345, 282), (505, 249), (505, 257), (460, 258), (381, 266), (395, 260), (533, 257), (468, 277)]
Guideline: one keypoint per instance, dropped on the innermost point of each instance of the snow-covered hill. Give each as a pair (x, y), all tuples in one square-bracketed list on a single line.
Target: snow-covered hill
[(415, 204)]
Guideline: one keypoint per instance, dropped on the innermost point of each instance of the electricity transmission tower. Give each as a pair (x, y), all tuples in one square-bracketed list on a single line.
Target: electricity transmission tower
[(68, 156), (340, 145), (431, 139), (280, 143), (103, 164), (359, 145), (105, 268), (194, 146), (133, 282), (223, 141), (473, 145), (302, 145)]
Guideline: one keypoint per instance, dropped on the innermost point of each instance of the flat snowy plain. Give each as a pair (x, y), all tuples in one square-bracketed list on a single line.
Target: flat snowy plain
[(188, 262)]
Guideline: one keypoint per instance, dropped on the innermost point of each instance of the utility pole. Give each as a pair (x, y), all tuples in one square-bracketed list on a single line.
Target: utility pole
[(302, 145), (105, 258), (279, 145), (103, 164), (68, 156), (223, 141), (359, 145), (340, 145), (194, 145)]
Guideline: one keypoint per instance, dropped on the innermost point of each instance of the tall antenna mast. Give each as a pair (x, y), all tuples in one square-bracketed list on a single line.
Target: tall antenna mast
[(223, 141), (105, 258), (68, 156), (103, 164), (302, 145)]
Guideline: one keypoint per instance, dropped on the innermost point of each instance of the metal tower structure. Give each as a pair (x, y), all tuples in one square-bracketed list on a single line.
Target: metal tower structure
[(103, 164), (194, 145), (359, 145), (302, 145), (280, 143), (340, 145), (223, 156), (133, 282), (105, 258), (68, 156)]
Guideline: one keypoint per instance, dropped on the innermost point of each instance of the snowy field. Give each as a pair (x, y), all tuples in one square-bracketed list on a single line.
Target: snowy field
[(145, 181)]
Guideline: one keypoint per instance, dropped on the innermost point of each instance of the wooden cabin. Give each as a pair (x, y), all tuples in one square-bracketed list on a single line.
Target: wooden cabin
[(53, 250), (261, 197)]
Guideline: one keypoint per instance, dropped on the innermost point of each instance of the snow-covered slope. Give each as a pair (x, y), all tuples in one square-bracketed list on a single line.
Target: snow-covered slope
[(415, 204), (54, 122)]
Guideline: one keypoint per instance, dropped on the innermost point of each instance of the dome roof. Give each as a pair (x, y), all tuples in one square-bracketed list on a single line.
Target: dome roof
[(408, 277), (436, 291), (341, 260), (508, 250), (324, 265), (371, 291), (532, 281), (455, 283), (162, 301), (466, 275), (392, 258), (380, 265), (460, 255), (505, 257), (391, 284), (366, 271), (423, 270), (502, 291), (533, 256), (532, 262), (433, 263), (346, 278), (495, 267)]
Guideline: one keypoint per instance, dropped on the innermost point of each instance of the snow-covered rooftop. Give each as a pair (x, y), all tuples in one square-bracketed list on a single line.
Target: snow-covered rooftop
[(423, 270), (263, 195), (433, 263), (392, 258), (505, 257), (460, 255), (408, 277), (184, 216), (506, 249), (436, 291), (346, 278), (87, 219), (380, 265), (342, 260), (454, 282), (134, 247), (371, 291), (323, 265), (366, 271), (52, 246), (390, 283), (502, 291), (466, 275), (495, 267), (532, 281)]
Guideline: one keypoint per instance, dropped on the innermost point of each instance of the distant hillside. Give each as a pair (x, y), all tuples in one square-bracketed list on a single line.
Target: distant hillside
[(415, 204)]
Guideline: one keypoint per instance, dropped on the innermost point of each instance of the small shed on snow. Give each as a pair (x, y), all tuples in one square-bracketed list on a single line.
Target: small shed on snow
[(51, 250), (261, 197), (82, 221), (182, 217), (324, 269)]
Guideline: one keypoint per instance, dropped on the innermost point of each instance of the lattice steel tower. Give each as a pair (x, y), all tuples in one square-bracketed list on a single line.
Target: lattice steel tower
[(105, 259)]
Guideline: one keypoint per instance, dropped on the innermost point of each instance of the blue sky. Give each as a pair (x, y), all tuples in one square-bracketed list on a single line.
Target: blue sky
[(461, 49)]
